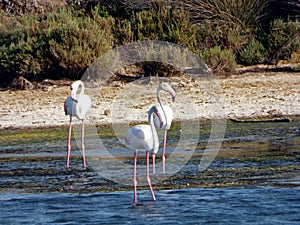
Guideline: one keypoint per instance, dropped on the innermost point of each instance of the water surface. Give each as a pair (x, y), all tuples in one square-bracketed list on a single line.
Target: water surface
[(259, 205), (255, 179)]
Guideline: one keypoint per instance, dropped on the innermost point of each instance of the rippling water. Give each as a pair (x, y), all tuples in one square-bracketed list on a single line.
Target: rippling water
[(259, 205), (255, 179)]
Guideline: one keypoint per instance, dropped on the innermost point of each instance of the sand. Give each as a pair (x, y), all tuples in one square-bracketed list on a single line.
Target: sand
[(248, 95)]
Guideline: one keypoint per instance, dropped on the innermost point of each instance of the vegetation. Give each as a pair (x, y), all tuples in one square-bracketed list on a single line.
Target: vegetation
[(60, 39)]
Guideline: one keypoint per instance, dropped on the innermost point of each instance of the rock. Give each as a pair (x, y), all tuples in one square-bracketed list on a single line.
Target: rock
[(21, 83), (107, 112)]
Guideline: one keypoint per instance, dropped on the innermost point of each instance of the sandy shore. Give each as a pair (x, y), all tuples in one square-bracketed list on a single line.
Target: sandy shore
[(250, 95)]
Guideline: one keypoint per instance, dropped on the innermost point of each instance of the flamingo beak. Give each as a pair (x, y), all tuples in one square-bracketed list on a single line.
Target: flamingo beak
[(74, 99), (172, 93), (173, 98), (73, 95)]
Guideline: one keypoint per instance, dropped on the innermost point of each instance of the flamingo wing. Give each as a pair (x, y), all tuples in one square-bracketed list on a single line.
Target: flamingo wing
[(166, 123), (68, 106), (140, 137), (83, 106)]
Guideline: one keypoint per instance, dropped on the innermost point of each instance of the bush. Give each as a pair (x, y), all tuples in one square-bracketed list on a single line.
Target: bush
[(253, 53), (165, 22), (60, 44), (76, 41), (219, 60), (20, 50), (63, 43), (282, 39), (230, 24)]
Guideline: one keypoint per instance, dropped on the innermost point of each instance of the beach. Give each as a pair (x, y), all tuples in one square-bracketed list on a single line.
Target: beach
[(245, 96)]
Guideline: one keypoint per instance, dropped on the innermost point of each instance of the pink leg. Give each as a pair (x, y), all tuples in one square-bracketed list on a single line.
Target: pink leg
[(147, 174), (153, 163), (69, 143), (134, 179), (164, 152), (82, 145)]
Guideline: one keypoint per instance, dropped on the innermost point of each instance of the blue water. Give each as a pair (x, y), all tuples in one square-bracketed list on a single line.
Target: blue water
[(258, 205), (263, 160)]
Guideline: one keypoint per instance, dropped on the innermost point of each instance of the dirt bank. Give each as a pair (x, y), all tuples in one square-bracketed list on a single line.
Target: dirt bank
[(250, 95)]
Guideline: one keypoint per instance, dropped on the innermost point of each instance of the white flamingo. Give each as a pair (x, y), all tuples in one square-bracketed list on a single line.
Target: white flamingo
[(143, 137), (77, 105), (167, 118)]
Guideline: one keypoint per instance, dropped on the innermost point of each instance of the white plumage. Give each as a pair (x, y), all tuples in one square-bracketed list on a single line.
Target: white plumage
[(167, 117), (143, 137), (166, 120), (77, 105)]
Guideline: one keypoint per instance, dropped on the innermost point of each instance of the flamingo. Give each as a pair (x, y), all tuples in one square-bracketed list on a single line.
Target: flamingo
[(143, 137), (166, 119), (77, 105)]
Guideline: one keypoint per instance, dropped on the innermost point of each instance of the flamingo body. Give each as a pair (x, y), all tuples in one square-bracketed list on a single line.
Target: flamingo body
[(80, 108), (143, 137), (77, 105), (167, 118)]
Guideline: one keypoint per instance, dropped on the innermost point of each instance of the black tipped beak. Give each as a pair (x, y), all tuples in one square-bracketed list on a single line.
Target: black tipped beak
[(75, 100), (173, 98)]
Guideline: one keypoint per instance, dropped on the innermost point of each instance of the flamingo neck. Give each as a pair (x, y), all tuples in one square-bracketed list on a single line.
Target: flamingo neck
[(161, 105), (154, 132), (74, 91), (82, 88)]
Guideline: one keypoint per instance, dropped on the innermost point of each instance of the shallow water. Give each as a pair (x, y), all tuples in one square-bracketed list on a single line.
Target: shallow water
[(255, 179), (259, 205)]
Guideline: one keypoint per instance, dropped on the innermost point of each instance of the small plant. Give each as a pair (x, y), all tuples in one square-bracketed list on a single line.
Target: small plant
[(282, 39), (219, 60), (253, 53)]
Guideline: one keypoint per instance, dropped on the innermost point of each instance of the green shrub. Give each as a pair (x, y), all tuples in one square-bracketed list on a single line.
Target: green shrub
[(20, 48), (282, 39), (230, 24), (60, 44), (75, 41), (253, 53), (123, 32), (165, 22), (219, 60)]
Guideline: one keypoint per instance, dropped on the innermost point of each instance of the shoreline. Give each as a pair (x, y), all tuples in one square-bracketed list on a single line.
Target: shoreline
[(267, 119), (264, 95)]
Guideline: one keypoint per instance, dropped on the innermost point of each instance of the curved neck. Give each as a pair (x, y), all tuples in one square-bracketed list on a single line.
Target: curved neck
[(154, 132), (82, 88), (75, 87), (161, 105)]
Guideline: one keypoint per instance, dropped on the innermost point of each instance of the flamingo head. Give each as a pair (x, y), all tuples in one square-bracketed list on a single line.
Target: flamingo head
[(74, 87), (166, 87)]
